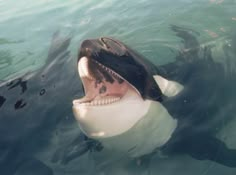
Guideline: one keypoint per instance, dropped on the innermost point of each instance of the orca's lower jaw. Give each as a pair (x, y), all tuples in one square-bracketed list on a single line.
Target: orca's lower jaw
[(110, 106), (102, 86)]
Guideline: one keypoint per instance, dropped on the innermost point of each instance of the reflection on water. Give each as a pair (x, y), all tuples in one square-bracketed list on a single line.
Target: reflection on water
[(5, 59), (38, 133)]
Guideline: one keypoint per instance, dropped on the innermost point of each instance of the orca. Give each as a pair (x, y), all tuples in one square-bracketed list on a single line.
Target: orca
[(136, 108), (35, 108)]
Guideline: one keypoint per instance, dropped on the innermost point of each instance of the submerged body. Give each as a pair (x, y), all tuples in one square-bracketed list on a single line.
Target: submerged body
[(32, 107), (135, 108)]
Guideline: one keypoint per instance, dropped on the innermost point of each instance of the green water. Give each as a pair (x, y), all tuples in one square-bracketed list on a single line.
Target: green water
[(27, 26), (26, 30)]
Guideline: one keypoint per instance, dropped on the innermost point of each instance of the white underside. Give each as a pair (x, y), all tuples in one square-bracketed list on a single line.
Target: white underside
[(113, 119), (132, 125), (152, 131)]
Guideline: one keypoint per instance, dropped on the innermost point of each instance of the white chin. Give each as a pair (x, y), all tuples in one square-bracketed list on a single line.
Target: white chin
[(111, 119)]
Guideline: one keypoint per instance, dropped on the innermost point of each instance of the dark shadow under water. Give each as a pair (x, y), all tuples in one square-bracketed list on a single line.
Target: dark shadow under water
[(35, 109)]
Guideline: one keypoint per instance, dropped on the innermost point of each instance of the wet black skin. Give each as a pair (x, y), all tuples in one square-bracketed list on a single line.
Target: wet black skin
[(205, 106)]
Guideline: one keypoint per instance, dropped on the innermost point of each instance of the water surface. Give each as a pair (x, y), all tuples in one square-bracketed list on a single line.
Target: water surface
[(42, 38)]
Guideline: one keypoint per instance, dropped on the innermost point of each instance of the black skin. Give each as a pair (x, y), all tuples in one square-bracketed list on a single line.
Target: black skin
[(200, 108), (209, 86)]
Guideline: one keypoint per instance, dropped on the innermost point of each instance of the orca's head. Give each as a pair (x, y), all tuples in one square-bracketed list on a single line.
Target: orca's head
[(116, 80), (107, 60)]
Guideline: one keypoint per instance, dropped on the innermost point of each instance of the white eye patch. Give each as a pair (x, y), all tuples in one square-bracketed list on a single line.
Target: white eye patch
[(168, 88)]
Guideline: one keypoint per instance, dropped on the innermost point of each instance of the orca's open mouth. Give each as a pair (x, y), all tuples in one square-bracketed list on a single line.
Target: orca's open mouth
[(110, 71), (102, 86)]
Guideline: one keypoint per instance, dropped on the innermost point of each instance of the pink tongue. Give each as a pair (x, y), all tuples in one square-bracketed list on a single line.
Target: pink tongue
[(95, 90), (111, 89)]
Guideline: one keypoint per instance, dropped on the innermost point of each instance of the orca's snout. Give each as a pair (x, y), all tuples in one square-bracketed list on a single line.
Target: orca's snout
[(113, 46), (105, 44), (94, 44)]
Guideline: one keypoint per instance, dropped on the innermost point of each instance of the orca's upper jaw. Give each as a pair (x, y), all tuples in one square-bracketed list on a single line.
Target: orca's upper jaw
[(110, 60), (104, 44)]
